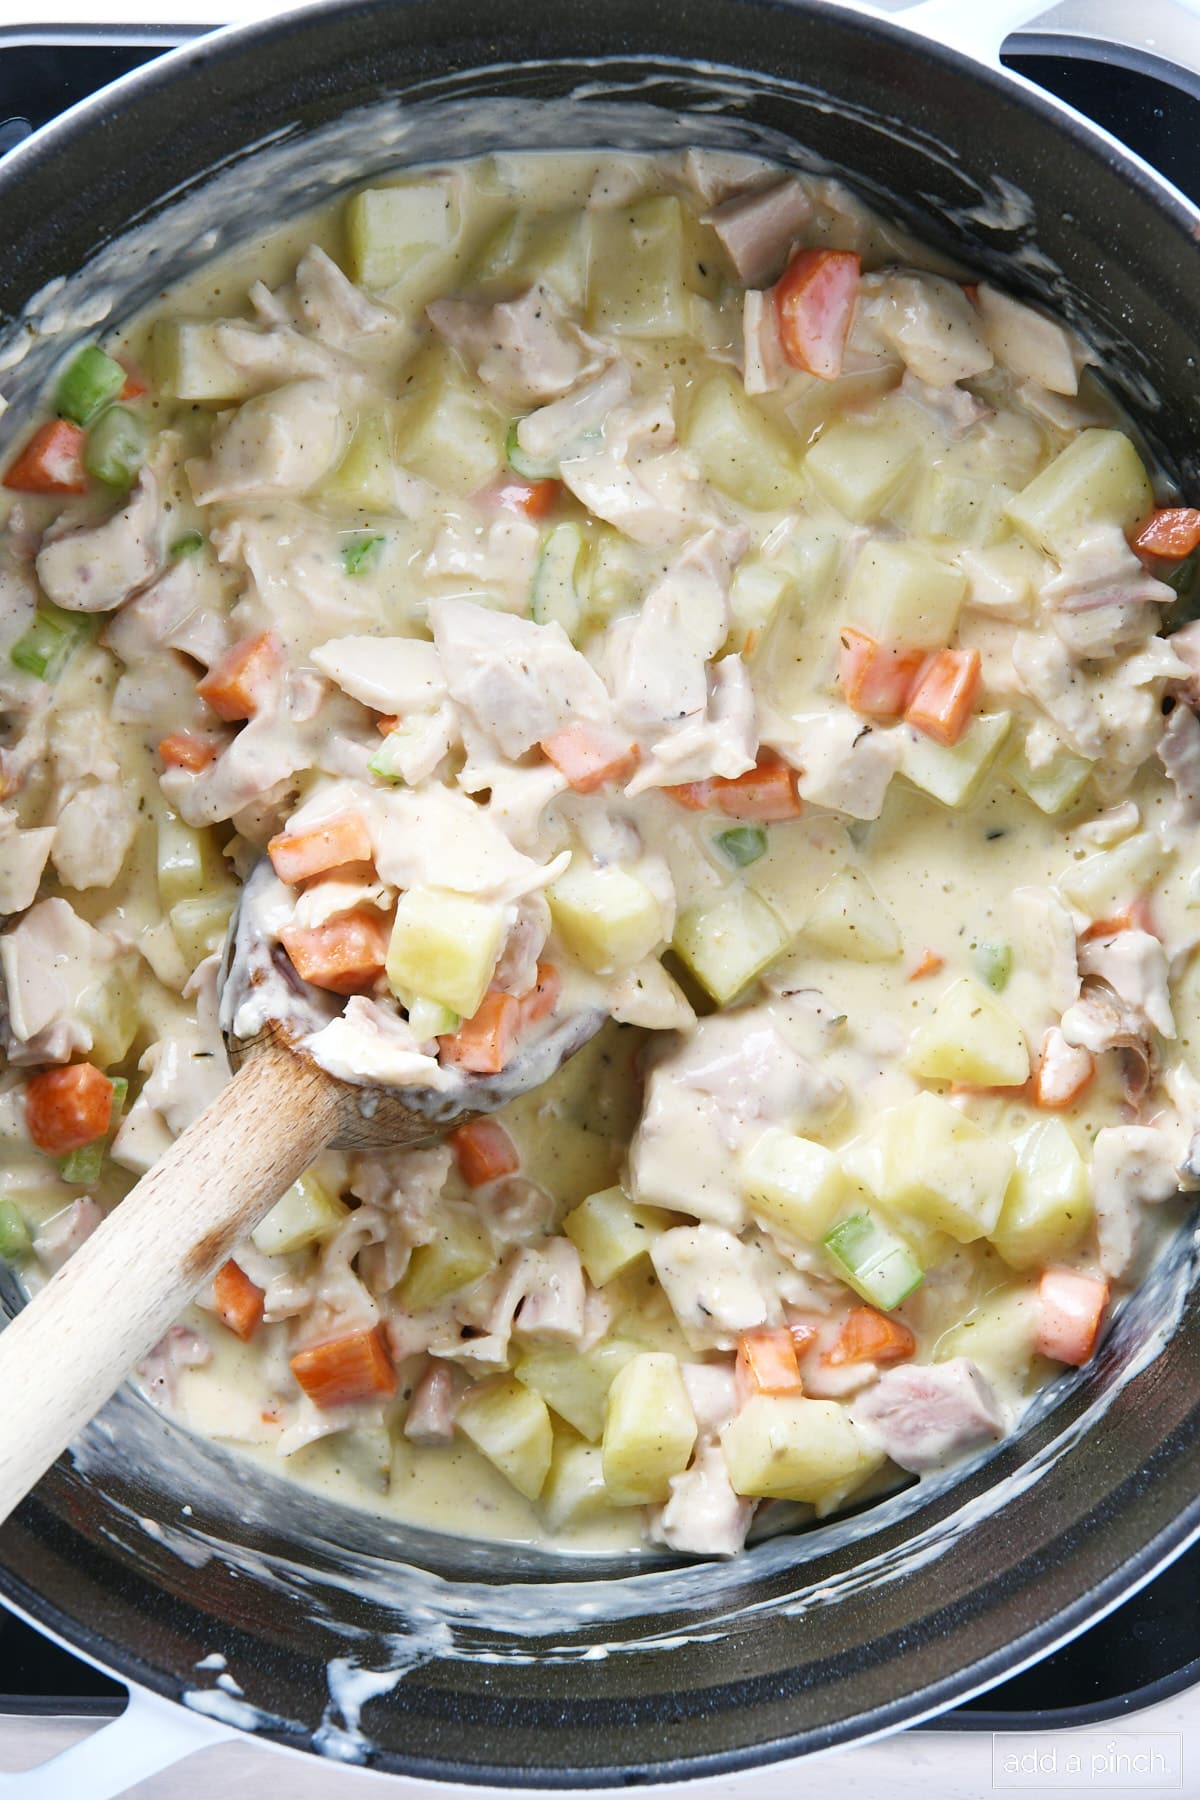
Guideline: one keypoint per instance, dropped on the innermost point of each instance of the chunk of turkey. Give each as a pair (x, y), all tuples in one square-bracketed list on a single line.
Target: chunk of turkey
[(925, 1415), (280, 442), (525, 350), (519, 681), (758, 228), (95, 568)]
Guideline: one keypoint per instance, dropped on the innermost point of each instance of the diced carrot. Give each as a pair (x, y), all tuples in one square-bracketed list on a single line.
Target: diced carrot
[(483, 1044), (345, 955), (296, 855), (1172, 532), (814, 304), (1136, 917), (238, 1301), (929, 964), (533, 499), (590, 755), (870, 1336), (803, 1337), (1062, 1073), (189, 750), (353, 1367), (1071, 1307), (877, 679), (765, 793), (51, 462), (944, 696), (542, 997), (135, 382), (483, 1151), (387, 723), (237, 683), (68, 1108), (766, 1364), (971, 290)]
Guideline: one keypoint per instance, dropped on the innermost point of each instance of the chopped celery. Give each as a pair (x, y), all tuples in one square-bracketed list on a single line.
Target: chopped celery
[(88, 384), (383, 763), (187, 544), (45, 649), (873, 1260), (362, 553), (743, 844), (529, 468), (116, 448), (83, 1166), (15, 1241), (556, 598), (430, 1019), (994, 962)]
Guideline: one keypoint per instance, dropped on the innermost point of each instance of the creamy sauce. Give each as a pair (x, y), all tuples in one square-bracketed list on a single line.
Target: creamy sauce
[(328, 472)]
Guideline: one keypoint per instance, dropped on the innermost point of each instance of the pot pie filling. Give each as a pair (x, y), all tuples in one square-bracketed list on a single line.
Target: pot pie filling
[(647, 585)]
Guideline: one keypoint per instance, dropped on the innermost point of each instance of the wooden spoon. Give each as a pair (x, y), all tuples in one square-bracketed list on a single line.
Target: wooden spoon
[(104, 1310)]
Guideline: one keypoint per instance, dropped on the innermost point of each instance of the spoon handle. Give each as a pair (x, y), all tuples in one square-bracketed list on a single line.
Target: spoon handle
[(67, 1351)]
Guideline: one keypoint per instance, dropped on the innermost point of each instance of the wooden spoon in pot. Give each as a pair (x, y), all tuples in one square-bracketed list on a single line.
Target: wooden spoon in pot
[(66, 1352)]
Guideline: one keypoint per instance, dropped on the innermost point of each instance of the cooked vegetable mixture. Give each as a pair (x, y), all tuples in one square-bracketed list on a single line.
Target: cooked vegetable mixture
[(640, 584)]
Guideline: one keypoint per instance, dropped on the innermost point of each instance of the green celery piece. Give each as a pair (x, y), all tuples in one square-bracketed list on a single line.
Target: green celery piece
[(116, 448), (45, 649), (873, 1260), (522, 464), (83, 1166), (994, 962), (743, 845), (15, 1241), (361, 553), (383, 762), (88, 385), (187, 544)]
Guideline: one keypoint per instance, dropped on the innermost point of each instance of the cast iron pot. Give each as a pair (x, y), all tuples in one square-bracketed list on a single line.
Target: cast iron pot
[(149, 1550)]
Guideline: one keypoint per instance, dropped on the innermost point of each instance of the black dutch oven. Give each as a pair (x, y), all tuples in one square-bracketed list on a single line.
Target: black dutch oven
[(148, 1550)]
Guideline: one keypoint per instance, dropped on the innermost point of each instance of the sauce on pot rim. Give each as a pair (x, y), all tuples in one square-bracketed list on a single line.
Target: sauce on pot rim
[(637, 582)]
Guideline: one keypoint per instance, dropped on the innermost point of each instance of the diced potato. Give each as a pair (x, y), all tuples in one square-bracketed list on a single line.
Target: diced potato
[(811, 553), (902, 594), (108, 1009), (953, 773), (780, 1448), (1103, 884), (610, 1231), (307, 1213), (575, 1383), (388, 228), (574, 1490), (511, 1426), (859, 467), (1003, 578), (188, 364), (444, 947), (605, 916), (646, 260), (611, 581), (1053, 786), (1048, 1206), (729, 941), (460, 1253), (940, 1168), (849, 919), (551, 250), (446, 431), (365, 479), (959, 510), (737, 447), (188, 860), (201, 924), (794, 1186), (866, 1160), (649, 1430), (789, 875), (758, 592), (970, 1038), (1098, 479), (1000, 1336)]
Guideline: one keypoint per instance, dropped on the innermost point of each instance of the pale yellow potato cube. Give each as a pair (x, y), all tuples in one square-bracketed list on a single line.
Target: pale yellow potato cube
[(606, 917), (957, 510), (1098, 479), (859, 467), (444, 947), (575, 1383), (307, 1213), (779, 1448), (849, 919), (941, 1169), (388, 228), (647, 260), (460, 1253), (999, 1336), (1048, 1206), (187, 363), (954, 773), (729, 941), (1053, 786), (445, 430), (1104, 884), (201, 924), (794, 1186), (649, 1430), (189, 862), (365, 479), (574, 1490), (970, 1038), (902, 594), (610, 1232), (511, 1426), (738, 448)]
